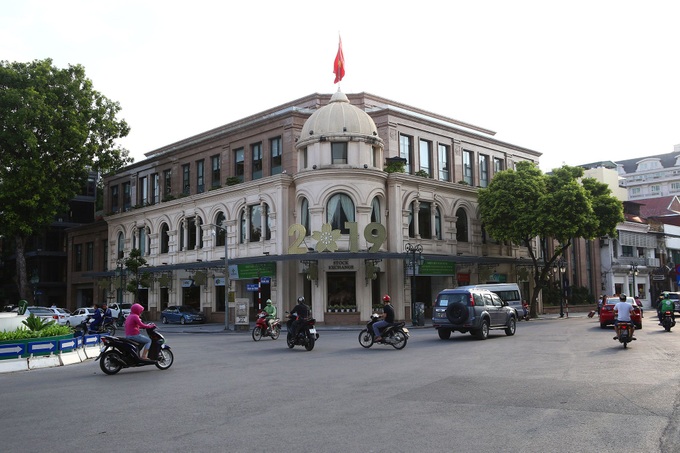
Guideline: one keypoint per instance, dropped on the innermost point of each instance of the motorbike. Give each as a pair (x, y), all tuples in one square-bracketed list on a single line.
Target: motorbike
[(394, 334), (306, 334), (668, 322), (120, 320), (118, 353), (263, 329), (85, 328), (625, 333), (524, 315)]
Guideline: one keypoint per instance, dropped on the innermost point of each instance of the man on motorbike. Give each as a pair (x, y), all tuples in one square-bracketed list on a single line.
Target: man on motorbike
[(388, 318), (666, 305), (622, 311), (107, 315), (270, 309), (302, 312), (96, 319), (132, 325)]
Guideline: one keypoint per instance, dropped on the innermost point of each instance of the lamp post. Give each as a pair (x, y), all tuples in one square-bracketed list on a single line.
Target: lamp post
[(412, 249), (119, 274), (634, 273), (226, 277), (559, 267)]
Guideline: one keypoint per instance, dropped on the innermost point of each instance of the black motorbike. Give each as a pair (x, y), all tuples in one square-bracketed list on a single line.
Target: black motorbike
[(668, 321), (625, 333), (306, 334), (120, 320), (85, 328), (118, 353), (394, 334)]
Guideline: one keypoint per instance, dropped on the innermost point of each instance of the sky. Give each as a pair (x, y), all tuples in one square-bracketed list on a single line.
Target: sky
[(578, 81)]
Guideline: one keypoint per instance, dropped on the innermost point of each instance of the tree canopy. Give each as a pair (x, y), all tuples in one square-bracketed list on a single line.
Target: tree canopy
[(522, 204), (54, 129)]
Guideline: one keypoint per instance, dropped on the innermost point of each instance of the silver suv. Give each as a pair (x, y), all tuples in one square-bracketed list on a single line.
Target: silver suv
[(471, 309)]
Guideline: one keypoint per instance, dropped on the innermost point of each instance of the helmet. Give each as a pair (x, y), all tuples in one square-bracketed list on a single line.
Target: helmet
[(301, 300), (386, 298), (269, 301), (622, 297)]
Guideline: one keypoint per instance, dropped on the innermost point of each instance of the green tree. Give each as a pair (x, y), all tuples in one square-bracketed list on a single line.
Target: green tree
[(522, 204), (134, 264), (54, 129)]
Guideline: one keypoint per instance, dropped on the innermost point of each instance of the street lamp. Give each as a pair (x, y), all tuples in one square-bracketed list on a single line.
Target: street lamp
[(226, 277), (634, 273), (559, 267), (414, 249)]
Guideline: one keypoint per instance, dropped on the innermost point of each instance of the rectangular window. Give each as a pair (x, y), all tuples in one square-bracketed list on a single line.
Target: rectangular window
[(215, 165), (167, 181), (155, 188), (200, 176), (127, 198), (339, 152), (256, 151), (304, 158), (78, 257), (114, 199), (406, 150), (239, 161), (425, 220), (483, 170), (497, 165), (467, 167), (186, 179), (425, 152), (627, 251), (444, 172), (143, 188), (275, 147), (655, 188), (89, 260)]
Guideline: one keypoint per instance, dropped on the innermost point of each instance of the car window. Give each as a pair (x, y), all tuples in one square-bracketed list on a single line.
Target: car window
[(445, 300), (497, 301), (487, 299), (479, 300)]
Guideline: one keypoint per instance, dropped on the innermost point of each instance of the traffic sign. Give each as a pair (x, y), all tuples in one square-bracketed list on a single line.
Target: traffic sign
[(265, 280), (42, 347), (67, 344), (252, 287), (12, 350)]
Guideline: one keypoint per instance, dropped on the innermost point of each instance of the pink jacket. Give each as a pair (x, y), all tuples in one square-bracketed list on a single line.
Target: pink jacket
[(133, 322)]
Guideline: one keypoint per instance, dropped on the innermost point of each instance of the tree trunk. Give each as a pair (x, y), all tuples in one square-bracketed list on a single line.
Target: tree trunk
[(25, 292)]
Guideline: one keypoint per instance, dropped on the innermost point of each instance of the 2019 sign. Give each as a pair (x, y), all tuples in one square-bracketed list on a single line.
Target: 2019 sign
[(326, 239)]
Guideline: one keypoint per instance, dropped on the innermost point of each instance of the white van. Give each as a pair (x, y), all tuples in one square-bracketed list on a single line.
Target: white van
[(509, 292)]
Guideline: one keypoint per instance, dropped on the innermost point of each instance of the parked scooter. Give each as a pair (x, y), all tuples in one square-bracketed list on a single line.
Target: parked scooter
[(524, 315), (263, 329), (118, 353), (120, 320), (667, 321), (626, 333), (306, 334), (394, 334)]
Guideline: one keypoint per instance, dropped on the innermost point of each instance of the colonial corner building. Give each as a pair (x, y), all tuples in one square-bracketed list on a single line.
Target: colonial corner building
[(302, 200)]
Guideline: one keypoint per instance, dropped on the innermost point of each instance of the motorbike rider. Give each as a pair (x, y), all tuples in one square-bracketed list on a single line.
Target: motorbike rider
[(388, 318), (132, 325), (107, 315), (96, 319), (302, 312), (270, 309), (622, 311), (666, 305)]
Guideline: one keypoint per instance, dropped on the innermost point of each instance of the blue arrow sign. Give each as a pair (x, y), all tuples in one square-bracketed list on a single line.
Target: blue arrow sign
[(46, 346), (91, 339), (11, 350), (67, 344), (79, 341)]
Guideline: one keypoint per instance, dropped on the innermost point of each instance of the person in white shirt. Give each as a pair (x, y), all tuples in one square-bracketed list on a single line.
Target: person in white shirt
[(622, 311)]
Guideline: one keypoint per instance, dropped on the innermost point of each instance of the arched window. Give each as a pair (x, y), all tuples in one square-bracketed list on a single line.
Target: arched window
[(221, 234), (121, 245), (165, 238), (437, 224), (340, 209), (304, 216), (375, 210), (462, 226)]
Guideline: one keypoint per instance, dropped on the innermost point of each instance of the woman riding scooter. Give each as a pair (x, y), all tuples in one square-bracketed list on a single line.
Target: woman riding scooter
[(132, 325)]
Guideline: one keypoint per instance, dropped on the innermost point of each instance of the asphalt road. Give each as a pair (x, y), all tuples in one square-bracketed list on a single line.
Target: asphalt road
[(556, 386)]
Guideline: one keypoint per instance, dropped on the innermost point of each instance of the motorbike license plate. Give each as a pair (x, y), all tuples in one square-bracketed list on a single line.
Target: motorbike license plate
[(405, 329), (312, 330)]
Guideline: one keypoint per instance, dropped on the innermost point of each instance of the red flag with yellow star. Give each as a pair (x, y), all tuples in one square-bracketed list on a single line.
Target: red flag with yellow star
[(339, 64)]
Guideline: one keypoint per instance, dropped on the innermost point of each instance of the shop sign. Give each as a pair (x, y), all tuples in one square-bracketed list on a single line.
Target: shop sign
[(432, 267), (341, 265), (253, 270)]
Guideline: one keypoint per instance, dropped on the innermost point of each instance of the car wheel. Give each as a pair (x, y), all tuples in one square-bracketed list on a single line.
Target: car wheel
[(182, 320), (444, 334), (512, 327), (164, 320), (457, 313), (483, 332)]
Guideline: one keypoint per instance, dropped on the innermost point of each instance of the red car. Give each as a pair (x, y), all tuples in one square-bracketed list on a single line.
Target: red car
[(607, 312)]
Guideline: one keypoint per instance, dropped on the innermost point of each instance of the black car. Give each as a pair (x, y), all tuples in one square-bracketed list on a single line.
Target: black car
[(471, 309), (182, 314)]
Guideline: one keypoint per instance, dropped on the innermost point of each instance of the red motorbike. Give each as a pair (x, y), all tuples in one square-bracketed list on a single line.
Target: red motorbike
[(264, 329)]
